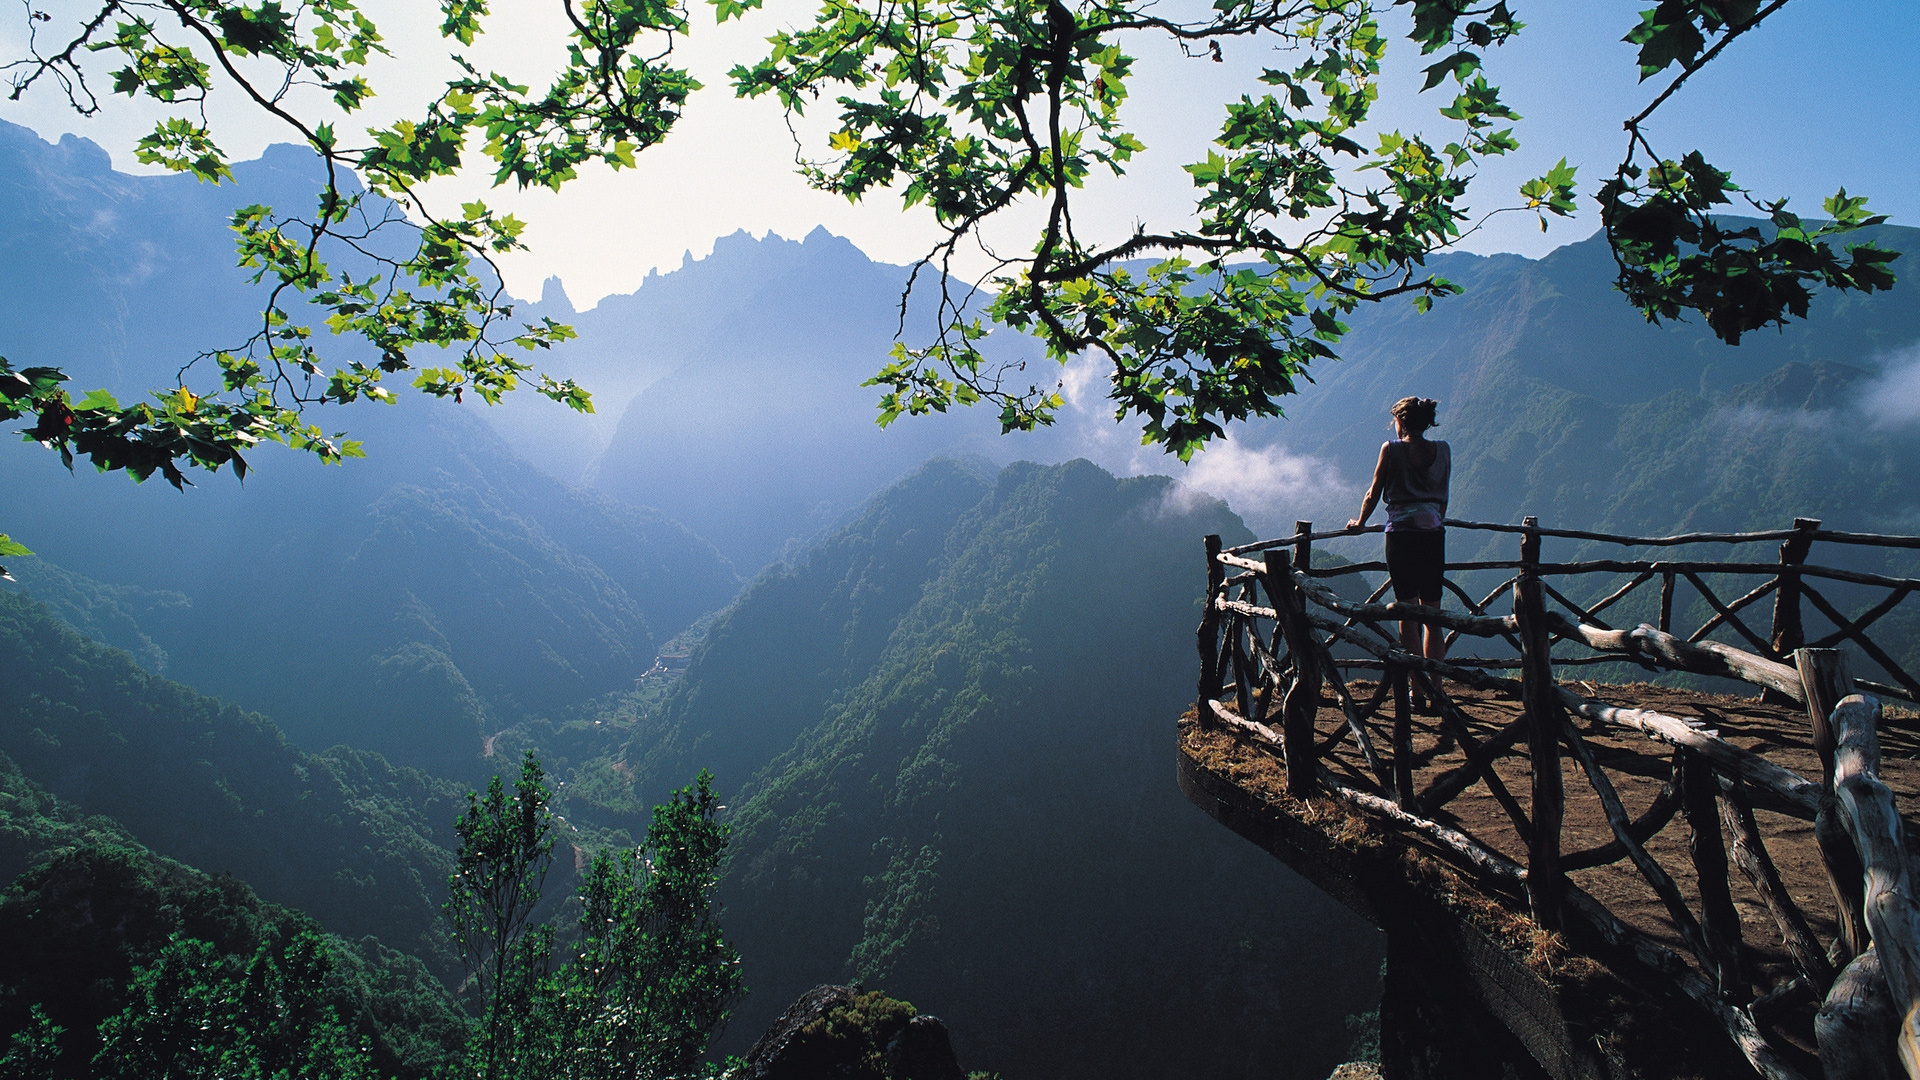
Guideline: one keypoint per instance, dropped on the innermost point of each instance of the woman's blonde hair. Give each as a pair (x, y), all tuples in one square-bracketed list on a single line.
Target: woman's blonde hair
[(1416, 413)]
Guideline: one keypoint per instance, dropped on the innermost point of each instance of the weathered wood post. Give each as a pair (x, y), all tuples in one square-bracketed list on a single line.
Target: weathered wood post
[(1543, 733), (1787, 632), (1403, 792), (1825, 679), (1699, 790), (1302, 702), (1879, 835), (1209, 638), (1666, 602)]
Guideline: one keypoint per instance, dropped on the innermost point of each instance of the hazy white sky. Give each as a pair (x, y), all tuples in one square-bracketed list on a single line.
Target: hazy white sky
[(1820, 97)]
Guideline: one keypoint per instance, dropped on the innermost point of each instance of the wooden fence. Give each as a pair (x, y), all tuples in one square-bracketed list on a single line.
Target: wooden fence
[(1262, 662)]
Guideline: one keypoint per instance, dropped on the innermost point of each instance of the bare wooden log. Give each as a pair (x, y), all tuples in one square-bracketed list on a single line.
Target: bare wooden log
[(1455, 722), (1393, 654), (1884, 690), (1579, 612), (1703, 658), (1787, 633), (1867, 618), (1658, 878), (1758, 593), (1632, 946), (1403, 792), (1666, 802), (1616, 595), (1879, 835), (1478, 625), (1260, 731), (1544, 730), (1846, 879), (1866, 643), (1242, 673), (1750, 855), (1719, 922), (1302, 702), (1209, 635), (1451, 783), (1778, 788), (1478, 856), (1676, 540), (1825, 682), (1858, 1024), (1725, 612), (1356, 721), (1666, 602)]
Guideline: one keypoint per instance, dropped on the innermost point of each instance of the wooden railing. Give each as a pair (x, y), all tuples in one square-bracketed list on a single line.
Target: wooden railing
[(1275, 635)]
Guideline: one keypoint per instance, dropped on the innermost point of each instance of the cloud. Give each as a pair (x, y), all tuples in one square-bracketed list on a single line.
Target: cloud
[(1268, 486), (1892, 400)]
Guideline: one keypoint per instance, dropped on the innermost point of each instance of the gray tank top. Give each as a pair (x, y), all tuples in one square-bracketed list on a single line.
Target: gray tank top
[(1416, 497)]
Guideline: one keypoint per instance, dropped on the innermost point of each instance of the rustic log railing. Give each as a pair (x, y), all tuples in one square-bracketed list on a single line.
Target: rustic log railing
[(1267, 662)]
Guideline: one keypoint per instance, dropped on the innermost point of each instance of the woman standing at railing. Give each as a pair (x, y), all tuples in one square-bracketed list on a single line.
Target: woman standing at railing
[(1412, 476)]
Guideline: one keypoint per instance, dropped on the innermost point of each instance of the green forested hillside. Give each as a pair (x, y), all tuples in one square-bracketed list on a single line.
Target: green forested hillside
[(412, 604), (1561, 402), (360, 844), (86, 906), (798, 638), (978, 812)]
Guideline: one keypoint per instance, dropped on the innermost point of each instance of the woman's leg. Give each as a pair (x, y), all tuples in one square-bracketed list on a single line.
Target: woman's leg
[(1436, 637)]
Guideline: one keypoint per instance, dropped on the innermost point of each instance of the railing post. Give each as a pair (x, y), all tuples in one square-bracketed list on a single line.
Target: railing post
[(1666, 602), (1302, 703), (1787, 633), (1543, 733), (1209, 635), (1825, 680), (1720, 921), (1303, 546)]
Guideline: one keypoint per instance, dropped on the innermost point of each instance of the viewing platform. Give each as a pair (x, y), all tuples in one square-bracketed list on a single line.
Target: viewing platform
[(1584, 878)]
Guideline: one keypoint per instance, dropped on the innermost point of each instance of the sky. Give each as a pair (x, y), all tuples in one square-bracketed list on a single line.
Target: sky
[(1820, 97)]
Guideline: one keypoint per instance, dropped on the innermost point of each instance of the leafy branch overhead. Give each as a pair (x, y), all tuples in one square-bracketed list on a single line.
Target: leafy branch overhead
[(972, 107), (398, 284), (1673, 255)]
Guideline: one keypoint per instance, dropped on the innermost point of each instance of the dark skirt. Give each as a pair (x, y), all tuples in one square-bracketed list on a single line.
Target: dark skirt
[(1416, 561)]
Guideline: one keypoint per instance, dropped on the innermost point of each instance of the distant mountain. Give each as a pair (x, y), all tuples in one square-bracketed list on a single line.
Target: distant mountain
[(414, 602), (1562, 402), (762, 434)]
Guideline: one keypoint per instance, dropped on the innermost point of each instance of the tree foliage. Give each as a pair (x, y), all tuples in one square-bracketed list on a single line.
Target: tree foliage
[(971, 107), (975, 106), (649, 979), (397, 277)]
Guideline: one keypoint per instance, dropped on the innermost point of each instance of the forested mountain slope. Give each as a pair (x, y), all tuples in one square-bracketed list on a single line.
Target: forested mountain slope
[(363, 846), (1562, 402), (84, 906), (412, 603), (962, 701)]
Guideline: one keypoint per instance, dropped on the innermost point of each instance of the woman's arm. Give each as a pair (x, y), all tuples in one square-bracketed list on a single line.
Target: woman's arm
[(1373, 490)]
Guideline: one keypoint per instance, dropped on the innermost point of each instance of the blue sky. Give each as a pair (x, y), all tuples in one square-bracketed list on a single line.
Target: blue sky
[(1822, 96)]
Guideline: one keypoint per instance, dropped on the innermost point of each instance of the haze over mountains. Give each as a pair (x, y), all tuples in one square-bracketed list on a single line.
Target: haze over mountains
[(935, 681)]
